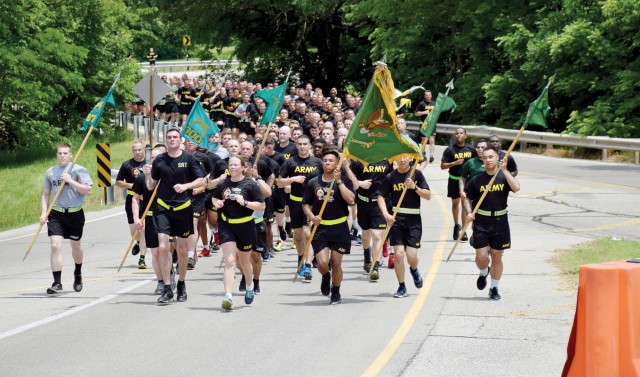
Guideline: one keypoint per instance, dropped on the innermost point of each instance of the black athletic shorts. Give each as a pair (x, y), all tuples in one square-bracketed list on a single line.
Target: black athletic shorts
[(370, 216), (243, 234), (246, 128), (198, 201), (68, 225), (453, 188), (159, 108), (174, 223), (335, 237), (150, 233), (491, 231), (268, 210), (261, 236), (279, 200), (298, 218), (127, 208), (184, 109), (406, 231), (170, 108), (208, 201)]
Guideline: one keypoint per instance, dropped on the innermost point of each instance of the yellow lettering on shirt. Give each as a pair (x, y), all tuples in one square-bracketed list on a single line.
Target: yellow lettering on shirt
[(460, 155), (374, 169), (182, 164), (304, 169), (495, 187), (398, 187)]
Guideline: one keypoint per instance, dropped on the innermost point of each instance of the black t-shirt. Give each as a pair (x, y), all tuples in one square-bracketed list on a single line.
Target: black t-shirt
[(221, 167), (496, 198), (218, 100), (184, 91), (128, 170), (179, 170), (455, 152), (375, 172), (511, 163), (287, 151), (393, 184), (227, 190), (140, 188), (315, 192), (297, 165), (422, 106), (206, 100), (279, 158)]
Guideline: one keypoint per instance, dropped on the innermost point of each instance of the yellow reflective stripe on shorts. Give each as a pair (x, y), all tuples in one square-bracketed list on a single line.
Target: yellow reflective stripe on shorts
[(178, 208), (236, 221), (150, 213), (67, 210), (334, 222), (408, 211), (364, 198), (295, 198), (492, 213), (454, 177), (130, 192), (258, 220)]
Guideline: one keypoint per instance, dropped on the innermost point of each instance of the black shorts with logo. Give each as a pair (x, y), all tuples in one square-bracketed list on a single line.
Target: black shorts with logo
[(298, 218), (370, 216), (243, 234), (150, 233), (279, 200), (198, 202), (268, 210), (491, 231), (261, 234), (68, 225), (453, 188), (406, 231), (335, 237), (174, 223)]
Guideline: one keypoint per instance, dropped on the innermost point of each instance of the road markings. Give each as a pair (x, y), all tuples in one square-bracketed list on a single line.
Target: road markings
[(410, 318), (74, 310)]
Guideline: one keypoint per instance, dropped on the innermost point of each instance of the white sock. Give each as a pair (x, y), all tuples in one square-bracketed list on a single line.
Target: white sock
[(495, 283), (191, 253), (484, 271), (229, 296), (250, 287)]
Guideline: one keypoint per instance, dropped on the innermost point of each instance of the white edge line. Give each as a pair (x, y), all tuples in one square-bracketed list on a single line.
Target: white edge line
[(86, 222), (69, 312)]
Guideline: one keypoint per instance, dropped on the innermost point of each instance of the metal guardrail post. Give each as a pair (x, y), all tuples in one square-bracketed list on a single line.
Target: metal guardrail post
[(146, 126), (137, 120)]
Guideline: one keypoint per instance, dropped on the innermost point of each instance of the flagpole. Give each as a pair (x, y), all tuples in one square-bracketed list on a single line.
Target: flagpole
[(55, 197), (262, 144), (135, 234), (493, 178), (395, 211), (315, 227)]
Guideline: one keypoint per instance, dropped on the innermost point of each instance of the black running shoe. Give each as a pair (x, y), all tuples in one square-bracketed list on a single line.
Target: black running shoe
[(243, 284), (55, 288), (481, 283), (135, 249), (256, 287), (493, 294), (287, 228), (456, 232), (77, 283), (283, 233), (325, 286), (464, 237), (166, 296), (367, 266), (335, 297), (182, 292)]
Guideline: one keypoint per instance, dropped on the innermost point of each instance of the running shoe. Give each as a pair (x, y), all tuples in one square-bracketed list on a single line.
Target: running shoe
[(283, 233), (135, 249), (166, 297), (278, 245), (182, 292), (77, 283), (191, 263), (307, 272), (256, 287), (141, 264), (471, 241), (481, 283), (287, 228), (265, 255), (325, 285), (205, 252), (367, 266), (272, 253), (227, 303), (456, 232), (464, 237), (385, 249), (248, 296), (417, 279), (392, 261), (293, 244), (159, 288), (401, 292), (375, 274), (243, 284), (358, 240), (493, 294), (55, 288), (335, 297), (431, 159), (301, 272)]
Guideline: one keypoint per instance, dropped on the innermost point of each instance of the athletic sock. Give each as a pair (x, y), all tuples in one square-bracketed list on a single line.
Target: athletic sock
[(78, 269), (484, 271), (495, 283), (256, 281), (57, 277), (191, 254), (412, 270), (367, 254), (402, 285), (335, 289), (142, 257)]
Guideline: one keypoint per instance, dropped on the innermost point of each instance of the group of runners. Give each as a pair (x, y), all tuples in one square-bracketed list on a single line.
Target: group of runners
[(228, 200)]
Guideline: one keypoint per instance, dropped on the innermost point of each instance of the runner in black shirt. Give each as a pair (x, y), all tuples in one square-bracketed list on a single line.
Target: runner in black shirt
[(423, 110)]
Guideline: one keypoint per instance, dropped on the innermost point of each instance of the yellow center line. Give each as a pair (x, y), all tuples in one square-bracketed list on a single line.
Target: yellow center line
[(410, 318)]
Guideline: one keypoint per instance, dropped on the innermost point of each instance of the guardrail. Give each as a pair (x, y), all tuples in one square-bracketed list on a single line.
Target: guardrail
[(191, 63), (603, 143)]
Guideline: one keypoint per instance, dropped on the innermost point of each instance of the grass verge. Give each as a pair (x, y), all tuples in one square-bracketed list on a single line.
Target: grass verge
[(21, 183), (568, 261)]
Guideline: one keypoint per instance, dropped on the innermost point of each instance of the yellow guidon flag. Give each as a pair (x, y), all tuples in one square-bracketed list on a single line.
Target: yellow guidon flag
[(374, 134)]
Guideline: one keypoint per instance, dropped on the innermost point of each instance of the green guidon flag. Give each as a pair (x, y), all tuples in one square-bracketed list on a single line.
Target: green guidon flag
[(273, 98), (198, 126), (539, 109), (374, 134), (443, 103), (93, 119)]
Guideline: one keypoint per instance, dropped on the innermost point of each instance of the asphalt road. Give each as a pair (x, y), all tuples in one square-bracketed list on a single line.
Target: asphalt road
[(447, 328)]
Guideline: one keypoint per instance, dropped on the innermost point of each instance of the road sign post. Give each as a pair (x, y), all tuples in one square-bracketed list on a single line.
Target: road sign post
[(151, 89)]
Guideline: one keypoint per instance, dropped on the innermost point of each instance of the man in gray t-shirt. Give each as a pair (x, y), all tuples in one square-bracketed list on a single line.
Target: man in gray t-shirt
[(66, 220)]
